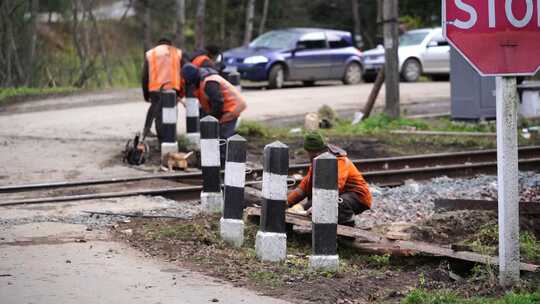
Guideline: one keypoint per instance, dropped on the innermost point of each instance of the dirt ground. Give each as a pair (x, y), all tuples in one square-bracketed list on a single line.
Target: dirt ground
[(195, 244)]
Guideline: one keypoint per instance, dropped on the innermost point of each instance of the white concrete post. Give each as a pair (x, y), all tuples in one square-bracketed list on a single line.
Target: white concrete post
[(507, 180)]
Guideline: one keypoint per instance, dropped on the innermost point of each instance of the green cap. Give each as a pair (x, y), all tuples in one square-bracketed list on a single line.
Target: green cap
[(313, 141)]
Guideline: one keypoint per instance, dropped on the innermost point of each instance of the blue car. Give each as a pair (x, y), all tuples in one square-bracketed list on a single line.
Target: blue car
[(297, 54)]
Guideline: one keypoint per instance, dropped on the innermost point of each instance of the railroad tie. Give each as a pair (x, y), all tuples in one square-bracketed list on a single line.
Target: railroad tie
[(193, 133), (211, 197), (271, 240), (169, 118), (231, 224), (324, 214)]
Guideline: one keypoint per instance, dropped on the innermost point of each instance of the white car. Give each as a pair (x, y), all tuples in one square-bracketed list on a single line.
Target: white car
[(421, 52)]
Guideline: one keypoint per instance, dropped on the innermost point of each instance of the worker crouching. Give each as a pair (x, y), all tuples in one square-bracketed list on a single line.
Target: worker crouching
[(354, 194), (217, 98)]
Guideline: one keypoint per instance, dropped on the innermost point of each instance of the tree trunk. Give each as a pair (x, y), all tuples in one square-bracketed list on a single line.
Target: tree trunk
[(223, 22), (199, 24), (180, 38), (250, 13), (357, 30), (147, 25), (391, 34), (30, 71), (262, 25)]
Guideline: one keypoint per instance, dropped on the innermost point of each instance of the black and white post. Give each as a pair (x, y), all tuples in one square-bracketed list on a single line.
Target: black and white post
[(231, 224), (211, 197), (193, 133), (271, 240), (325, 214), (169, 115)]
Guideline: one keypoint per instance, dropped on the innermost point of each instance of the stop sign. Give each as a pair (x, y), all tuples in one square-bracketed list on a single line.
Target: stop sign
[(497, 37)]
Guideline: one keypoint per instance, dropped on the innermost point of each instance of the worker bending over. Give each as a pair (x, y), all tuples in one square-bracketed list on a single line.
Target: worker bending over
[(354, 193), (217, 97), (210, 57), (161, 71)]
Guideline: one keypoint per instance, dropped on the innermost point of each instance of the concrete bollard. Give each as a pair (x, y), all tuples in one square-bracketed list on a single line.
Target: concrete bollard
[(169, 118), (192, 119), (231, 224), (271, 240), (325, 214), (211, 197)]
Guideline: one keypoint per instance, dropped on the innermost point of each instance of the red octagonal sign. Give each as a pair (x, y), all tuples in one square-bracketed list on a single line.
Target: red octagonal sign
[(497, 37)]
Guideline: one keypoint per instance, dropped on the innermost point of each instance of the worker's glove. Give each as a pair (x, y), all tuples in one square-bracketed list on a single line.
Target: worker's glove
[(298, 209)]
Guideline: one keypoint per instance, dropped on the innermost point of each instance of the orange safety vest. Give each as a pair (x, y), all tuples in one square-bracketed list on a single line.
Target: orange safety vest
[(233, 101), (164, 68), (199, 60)]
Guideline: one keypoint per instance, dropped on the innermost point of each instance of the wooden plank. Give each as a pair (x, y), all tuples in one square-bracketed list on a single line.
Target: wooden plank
[(380, 244), (530, 208)]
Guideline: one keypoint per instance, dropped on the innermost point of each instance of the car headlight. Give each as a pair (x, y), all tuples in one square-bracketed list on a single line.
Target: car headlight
[(255, 60)]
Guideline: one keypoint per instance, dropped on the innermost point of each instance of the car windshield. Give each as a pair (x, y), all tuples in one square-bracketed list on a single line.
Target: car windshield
[(412, 38), (275, 40)]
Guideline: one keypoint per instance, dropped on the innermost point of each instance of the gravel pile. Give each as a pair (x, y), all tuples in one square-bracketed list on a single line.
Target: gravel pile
[(414, 201)]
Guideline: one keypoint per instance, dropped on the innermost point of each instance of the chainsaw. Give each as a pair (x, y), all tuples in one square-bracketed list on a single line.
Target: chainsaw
[(136, 151)]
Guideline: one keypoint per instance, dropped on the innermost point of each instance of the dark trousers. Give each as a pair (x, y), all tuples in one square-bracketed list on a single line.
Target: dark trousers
[(154, 114), (226, 130)]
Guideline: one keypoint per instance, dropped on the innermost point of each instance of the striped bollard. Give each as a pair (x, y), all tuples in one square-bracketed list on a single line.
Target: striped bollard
[(231, 224), (325, 214), (211, 197), (169, 118), (271, 240), (192, 118)]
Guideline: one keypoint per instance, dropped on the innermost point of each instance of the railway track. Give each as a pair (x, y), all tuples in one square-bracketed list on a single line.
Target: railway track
[(382, 171)]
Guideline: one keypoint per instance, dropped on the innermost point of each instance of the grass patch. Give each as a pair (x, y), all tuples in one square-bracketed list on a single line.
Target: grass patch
[(419, 296), (12, 94), (376, 124), (254, 129), (486, 241)]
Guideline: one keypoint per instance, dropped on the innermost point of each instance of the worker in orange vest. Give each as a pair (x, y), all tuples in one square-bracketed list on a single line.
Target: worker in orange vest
[(354, 193), (217, 97), (161, 71), (210, 57)]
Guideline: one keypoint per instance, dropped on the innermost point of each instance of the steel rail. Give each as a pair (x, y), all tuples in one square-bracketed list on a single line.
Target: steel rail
[(365, 165), (392, 177)]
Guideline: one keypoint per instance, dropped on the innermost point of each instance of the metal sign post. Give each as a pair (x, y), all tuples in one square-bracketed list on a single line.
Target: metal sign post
[(507, 180)]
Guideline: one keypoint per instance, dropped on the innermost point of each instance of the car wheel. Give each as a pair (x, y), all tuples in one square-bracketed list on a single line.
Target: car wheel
[(411, 70), (353, 73), (308, 83), (276, 77)]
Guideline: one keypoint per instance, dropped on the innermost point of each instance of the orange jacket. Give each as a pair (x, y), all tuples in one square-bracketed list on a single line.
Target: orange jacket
[(349, 180), (164, 68), (233, 101)]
